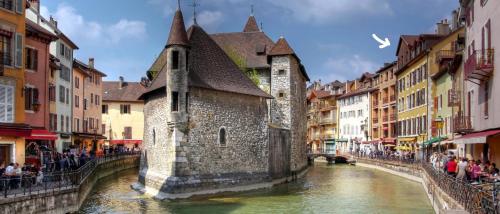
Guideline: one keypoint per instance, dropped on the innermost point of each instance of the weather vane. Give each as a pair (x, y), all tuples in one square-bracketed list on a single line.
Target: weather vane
[(194, 5), (251, 9)]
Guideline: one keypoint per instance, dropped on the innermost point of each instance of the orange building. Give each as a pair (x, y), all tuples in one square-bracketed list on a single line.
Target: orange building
[(384, 105), (13, 129)]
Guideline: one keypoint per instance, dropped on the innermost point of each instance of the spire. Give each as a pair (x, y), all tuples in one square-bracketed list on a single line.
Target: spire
[(178, 35), (281, 48), (194, 5), (251, 25)]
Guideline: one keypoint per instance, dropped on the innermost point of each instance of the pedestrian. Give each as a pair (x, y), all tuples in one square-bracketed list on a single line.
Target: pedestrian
[(462, 167), (451, 167)]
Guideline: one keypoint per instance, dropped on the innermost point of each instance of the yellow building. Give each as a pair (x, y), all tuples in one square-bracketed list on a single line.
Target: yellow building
[(446, 60), (13, 130), (412, 89), (122, 113)]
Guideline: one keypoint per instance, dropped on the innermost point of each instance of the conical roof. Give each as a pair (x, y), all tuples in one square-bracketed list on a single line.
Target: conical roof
[(281, 48), (178, 35), (251, 25)]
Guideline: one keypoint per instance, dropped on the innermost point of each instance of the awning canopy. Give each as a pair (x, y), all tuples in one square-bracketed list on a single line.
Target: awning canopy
[(476, 138), (407, 139), (370, 142), (125, 141), (15, 129), (434, 140), (41, 134), (88, 135), (389, 141)]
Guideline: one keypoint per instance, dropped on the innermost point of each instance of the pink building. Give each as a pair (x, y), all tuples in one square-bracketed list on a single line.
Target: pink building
[(36, 93), (479, 119)]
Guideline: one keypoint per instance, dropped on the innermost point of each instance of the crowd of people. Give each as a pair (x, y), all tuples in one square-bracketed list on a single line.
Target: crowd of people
[(473, 171), (387, 154), (12, 176)]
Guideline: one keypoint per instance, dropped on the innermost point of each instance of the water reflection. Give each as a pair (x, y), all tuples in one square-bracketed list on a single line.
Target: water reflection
[(326, 189)]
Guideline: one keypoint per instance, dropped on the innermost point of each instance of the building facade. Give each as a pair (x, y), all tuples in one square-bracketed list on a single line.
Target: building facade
[(480, 118), (36, 93), (13, 128), (383, 106), (123, 113), (218, 110)]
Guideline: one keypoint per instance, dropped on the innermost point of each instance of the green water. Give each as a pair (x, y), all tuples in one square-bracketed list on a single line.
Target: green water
[(325, 189)]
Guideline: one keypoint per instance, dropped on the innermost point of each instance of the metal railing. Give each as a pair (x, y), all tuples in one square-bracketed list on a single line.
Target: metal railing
[(444, 54), (480, 64), (473, 198), (462, 123), (27, 184)]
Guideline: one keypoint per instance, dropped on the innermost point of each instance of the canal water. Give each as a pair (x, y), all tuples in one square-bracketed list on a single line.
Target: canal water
[(325, 189)]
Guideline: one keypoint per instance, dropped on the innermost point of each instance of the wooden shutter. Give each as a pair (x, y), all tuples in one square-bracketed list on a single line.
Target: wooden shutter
[(19, 6), (19, 51)]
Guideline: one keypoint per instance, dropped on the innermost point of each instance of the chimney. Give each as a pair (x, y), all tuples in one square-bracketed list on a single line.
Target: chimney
[(53, 21), (454, 20), (443, 28), (91, 63), (120, 83), (35, 4)]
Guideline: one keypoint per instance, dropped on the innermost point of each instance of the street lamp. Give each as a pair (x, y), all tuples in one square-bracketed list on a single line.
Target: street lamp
[(439, 126)]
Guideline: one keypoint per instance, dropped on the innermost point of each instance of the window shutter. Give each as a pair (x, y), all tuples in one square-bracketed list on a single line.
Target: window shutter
[(19, 6), (35, 95), (19, 50)]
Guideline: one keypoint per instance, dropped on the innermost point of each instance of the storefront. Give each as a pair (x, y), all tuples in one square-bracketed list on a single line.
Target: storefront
[(484, 146), (85, 141), (39, 147), (12, 142)]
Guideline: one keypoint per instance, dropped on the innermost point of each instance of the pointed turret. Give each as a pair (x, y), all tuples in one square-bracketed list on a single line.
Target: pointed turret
[(178, 35), (251, 25), (281, 48)]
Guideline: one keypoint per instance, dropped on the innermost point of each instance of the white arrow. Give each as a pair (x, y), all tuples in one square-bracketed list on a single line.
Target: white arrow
[(383, 43)]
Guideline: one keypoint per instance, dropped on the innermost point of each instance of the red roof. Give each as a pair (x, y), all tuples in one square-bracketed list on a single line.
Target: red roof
[(178, 35), (251, 25)]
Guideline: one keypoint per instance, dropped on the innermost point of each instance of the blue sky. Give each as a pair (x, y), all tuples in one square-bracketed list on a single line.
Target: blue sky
[(332, 37)]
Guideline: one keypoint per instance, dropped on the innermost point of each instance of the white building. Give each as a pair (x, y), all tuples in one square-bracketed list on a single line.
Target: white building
[(62, 49), (354, 125)]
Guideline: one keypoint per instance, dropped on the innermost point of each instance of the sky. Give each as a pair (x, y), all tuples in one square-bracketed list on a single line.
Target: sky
[(331, 37)]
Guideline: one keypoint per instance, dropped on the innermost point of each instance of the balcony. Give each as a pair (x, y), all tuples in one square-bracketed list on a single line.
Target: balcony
[(7, 4), (462, 123), (385, 119), (443, 55), (480, 65), (375, 120), (328, 121)]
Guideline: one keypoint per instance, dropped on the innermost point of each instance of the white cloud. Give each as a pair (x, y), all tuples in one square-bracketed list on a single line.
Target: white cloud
[(81, 30), (126, 29), (348, 68), (164, 5), (321, 11), (209, 20)]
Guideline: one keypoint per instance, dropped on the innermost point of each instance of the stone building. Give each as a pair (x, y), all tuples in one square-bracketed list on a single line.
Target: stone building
[(208, 127)]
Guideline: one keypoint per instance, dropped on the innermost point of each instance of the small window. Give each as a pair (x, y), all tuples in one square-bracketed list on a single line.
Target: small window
[(125, 109), (281, 95), (222, 136), (175, 101), (154, 137), (31, 62), (104, 109), (175, 59), (281, 72)]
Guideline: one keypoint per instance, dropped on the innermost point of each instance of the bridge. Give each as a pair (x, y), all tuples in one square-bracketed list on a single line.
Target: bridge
[(61, 192), (330, 157)]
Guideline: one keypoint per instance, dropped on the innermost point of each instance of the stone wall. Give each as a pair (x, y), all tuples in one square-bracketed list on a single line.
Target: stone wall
[(158, 154), (280, 83), (66, 199), (191, 159), (298, 117)]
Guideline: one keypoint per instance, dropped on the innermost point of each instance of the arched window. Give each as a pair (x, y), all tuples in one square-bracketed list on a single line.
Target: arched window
[(222, 136)]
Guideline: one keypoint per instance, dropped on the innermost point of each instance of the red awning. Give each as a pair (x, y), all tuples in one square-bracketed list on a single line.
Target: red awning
[(389, 141), (14, 129), (476, 138), (41, 134), (125, 141), (370, 142)]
